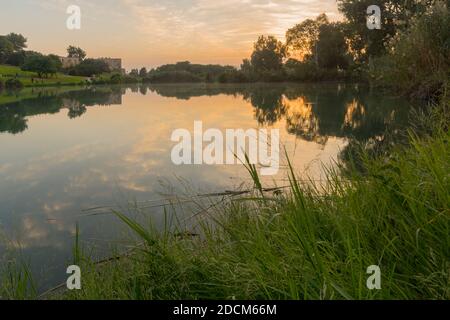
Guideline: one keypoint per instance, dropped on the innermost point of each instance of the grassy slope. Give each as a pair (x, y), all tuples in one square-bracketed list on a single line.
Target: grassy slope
[(307, 243), (26, 76)]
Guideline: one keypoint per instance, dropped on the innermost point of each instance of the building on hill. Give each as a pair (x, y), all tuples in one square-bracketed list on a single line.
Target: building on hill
[(69, 62), (113, 64)]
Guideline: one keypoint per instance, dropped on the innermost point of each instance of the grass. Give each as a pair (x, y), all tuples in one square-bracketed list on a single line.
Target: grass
[(309, 243), (25, 77)]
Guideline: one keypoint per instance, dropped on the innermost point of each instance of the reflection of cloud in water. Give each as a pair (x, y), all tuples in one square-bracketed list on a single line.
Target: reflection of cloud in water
[(58, 167)]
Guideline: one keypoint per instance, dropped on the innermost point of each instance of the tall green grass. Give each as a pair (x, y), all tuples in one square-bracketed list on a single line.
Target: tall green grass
[(312, 242)]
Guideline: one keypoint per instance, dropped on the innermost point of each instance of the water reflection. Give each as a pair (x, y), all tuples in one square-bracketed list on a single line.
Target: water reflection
[(32, 102), (312, 113), (68, 149)]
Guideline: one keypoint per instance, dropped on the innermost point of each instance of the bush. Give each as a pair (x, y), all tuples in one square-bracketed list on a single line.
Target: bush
[(419, 59)]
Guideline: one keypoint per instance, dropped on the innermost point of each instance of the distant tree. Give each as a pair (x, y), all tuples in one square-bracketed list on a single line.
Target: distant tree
[(18, 41), (134, 72), (56, 60), (143, 72), (6, 49), (76, 52), (42, 65), (16, 58), (89, 67), (246, 66), (268, 54)]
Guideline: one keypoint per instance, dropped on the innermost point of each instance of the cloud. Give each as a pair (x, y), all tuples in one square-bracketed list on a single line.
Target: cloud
[(225, 29)]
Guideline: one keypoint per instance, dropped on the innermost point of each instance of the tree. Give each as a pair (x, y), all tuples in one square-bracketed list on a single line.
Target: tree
[(268, 54), (143, 72), (18, 41), (331, 47), (134, 72), (16, 58), (42, 65), (6, 49), (89, 67), (418, 60), (56, 60), (76, 52), (302, 38), (396, 15)]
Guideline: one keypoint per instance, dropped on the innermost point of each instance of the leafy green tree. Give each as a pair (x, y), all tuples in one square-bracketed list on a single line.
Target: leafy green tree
[(42, 65), (134, 72), (89, 67), (76, 52), (143, 72), (418, 60), (395, 15), (16, 58), (268, 54), (18, 41), (6, 49), (57, 61)]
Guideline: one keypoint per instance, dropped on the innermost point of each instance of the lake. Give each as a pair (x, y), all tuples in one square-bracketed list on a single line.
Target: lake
[(70, 155)]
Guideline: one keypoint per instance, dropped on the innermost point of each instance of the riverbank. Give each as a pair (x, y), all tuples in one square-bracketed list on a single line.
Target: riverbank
[(304, 242)]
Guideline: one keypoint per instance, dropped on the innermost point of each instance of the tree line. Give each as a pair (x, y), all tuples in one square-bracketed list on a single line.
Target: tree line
[(410, 52)]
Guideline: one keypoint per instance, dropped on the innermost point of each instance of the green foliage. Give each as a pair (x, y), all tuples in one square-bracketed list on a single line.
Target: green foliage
[(89, 67), (16, 281), (395, 16), (6, 49), (11, 49), (268, 54), (42, 65), (332, 48), (187, 72), (143, 72), (418, 62), (76, 52), (18, 41)]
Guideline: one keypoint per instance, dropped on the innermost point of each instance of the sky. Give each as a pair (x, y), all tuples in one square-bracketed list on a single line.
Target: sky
[(154, 32)]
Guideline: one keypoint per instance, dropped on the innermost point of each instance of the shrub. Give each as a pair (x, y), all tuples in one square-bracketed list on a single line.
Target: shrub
[(419, 57)]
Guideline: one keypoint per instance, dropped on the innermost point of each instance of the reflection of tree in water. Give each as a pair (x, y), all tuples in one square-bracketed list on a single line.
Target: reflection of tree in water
[(301, 120), (268, 103), (12, 123), (13, 116)]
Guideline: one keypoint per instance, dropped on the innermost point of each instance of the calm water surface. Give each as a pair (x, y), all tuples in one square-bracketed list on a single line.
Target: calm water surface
[(64, 151)]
